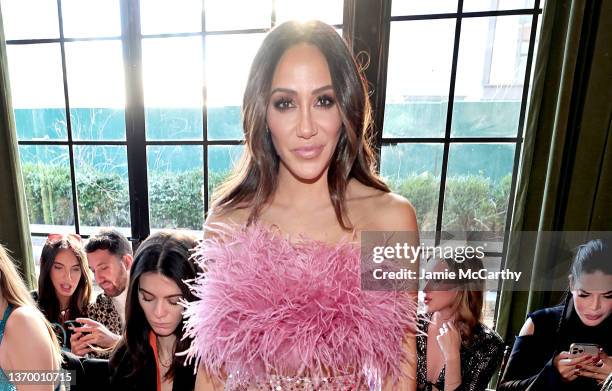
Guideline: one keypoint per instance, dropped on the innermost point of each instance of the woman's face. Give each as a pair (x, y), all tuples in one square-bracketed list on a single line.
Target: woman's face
[(303, 115), (592, 295), (159, 298), (65, 273), (438, 294)]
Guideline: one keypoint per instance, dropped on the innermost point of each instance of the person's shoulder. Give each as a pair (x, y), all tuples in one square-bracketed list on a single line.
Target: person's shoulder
[(545, 316), (384, 211), (217, 219), (25, 321), (489, 335)]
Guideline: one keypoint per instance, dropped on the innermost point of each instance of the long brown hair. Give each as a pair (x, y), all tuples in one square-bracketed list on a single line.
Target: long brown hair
[(255, 178), (470, 297), (47, 297), (14, 291)]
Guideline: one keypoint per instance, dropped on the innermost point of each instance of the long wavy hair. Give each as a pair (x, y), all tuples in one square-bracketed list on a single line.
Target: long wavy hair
[(255, 178), (470, 298), (14, 291), (47, 297), (169, 254)]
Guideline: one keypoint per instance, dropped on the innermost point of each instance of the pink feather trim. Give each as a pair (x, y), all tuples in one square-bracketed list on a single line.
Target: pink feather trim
[(267, 305)]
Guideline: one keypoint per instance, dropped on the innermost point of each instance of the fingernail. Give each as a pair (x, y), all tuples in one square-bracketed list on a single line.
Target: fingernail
[(578, 366)]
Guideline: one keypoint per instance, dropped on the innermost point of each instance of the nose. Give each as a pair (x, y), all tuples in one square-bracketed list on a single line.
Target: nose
[(596, 302), (159, 310), (306, 128)]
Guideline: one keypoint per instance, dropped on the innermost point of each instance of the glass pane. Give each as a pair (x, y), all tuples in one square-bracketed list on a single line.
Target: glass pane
[(490, 76), (102, 184), (222, 15), (418, 78), (37, 91), (91, 18), (477, 187), (328, 11), (226, 80), (176, 186), (413, 170), (30, 19), (158, 17), (420, 7), (221, 161), (172, 76), (46, 174), (96, 90), (488, 5)]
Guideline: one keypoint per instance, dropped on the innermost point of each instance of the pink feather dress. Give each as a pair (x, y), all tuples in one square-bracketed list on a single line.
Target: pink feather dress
[(277, 315)]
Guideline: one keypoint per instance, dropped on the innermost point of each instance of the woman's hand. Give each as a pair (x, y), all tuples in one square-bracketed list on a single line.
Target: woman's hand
[(599, 370), (449, 341), (569, 365)]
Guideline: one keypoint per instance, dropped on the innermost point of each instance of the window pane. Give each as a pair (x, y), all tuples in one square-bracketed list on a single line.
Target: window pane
[(488, 5), (413, 170), (328, 11), (172, 76), (158, 17), (222, 15), (37, 91), (46, 174), (490, 76), (30, 19), (102, 184), (477, 187), (96, 90), (221, 161), (418, 78), (91, 18), (226, 78), (420, 7), (176, 186)]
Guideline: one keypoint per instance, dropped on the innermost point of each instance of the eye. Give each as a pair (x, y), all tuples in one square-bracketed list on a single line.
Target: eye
[(325, 101), (147, 298), (174, 301), (58, 266), (283, 103)]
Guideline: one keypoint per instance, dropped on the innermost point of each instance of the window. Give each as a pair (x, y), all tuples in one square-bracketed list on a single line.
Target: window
[(456, 89), (128, 111)]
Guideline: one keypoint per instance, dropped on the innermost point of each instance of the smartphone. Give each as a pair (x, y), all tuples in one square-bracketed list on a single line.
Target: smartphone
[(584, 348), (73, 323)]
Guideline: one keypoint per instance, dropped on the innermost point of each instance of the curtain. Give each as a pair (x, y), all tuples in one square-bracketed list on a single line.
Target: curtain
[(565, 173), (14, 228)]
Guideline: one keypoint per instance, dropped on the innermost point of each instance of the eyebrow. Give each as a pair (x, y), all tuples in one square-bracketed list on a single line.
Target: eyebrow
[(606, 293), (166, 297), (290, 91)]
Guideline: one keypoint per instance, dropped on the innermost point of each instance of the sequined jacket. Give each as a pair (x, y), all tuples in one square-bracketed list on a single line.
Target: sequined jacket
[(479, 360)]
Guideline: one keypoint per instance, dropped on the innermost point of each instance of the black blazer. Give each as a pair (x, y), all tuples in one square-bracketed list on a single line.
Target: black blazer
[(146, 379)]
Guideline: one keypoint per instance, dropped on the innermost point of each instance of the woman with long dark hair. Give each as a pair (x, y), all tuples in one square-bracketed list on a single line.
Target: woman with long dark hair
[(280, 303), (541, 357), (145, 357), (64, 284)]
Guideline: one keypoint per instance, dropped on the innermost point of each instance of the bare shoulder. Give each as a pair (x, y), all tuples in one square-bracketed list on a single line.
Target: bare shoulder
[(25, 322), (379, 210), (237, 216), (527, 329)]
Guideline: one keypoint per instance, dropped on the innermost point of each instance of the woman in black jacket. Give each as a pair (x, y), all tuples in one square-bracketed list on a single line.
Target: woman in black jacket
[(145, 357), (540, 358)]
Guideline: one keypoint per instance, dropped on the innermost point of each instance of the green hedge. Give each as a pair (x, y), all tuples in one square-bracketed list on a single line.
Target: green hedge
[(471, 202)]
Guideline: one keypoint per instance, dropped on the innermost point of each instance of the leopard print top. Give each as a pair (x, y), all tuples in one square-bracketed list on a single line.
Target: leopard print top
[(105, 312)]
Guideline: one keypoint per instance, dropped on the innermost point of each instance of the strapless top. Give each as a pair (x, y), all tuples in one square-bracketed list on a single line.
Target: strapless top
[(269, 311)]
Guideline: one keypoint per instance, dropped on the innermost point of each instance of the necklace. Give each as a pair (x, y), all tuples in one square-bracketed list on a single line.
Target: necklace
[(165, 363)]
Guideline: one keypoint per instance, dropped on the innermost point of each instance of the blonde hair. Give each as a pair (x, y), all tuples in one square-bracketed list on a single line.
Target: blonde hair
[(14, 291), (469, 300)]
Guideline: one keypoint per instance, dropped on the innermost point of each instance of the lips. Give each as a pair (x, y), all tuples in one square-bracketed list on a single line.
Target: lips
[(592, 317), (65, 287), (308, 152), (160, 325)]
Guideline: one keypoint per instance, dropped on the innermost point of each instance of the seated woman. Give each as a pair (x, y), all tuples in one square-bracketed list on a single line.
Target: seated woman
[(541, 358), (145, 356), (64, 283), (455, 351), (27, 342)]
